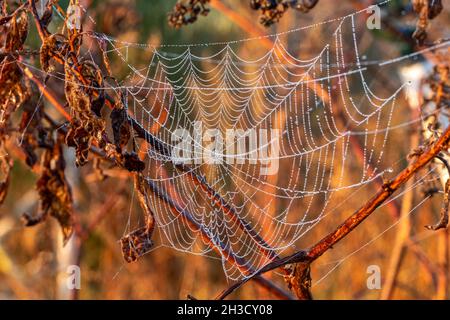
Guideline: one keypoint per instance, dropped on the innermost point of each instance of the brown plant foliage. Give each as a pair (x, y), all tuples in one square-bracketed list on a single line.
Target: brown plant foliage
[(427, 10), (55, 198), (93, 134), (187, 11)]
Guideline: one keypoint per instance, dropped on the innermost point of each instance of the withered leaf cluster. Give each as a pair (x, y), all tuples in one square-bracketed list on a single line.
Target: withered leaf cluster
[(55, 198), (271, 11), (187, 11), (427, 10)]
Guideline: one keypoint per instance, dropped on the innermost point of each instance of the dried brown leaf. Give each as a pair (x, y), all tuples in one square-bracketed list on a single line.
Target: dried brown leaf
[(55, 197), (137, 243)]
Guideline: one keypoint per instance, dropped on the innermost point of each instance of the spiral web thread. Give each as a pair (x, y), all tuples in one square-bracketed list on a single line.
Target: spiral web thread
[(264, 215)]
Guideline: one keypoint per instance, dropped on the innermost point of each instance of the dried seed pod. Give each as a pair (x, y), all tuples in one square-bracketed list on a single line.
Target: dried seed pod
[(5, 170)]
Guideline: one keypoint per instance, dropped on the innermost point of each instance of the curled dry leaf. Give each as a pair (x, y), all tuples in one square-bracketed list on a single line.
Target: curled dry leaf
[(119, 17), (439, 82), (132, 163), (443, 222), (120, 126), (55, 197), (299, 279), (137, 243)]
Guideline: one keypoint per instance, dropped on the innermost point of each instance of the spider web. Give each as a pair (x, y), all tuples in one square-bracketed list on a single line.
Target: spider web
[(314, 109), (223, 91)]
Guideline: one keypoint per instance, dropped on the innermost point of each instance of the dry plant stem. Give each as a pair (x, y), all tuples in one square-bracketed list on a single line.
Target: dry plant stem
[(313, 253), (249, 27)]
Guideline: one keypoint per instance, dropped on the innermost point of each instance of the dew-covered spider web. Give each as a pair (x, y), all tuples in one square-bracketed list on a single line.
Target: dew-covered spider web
[(269, 144)]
